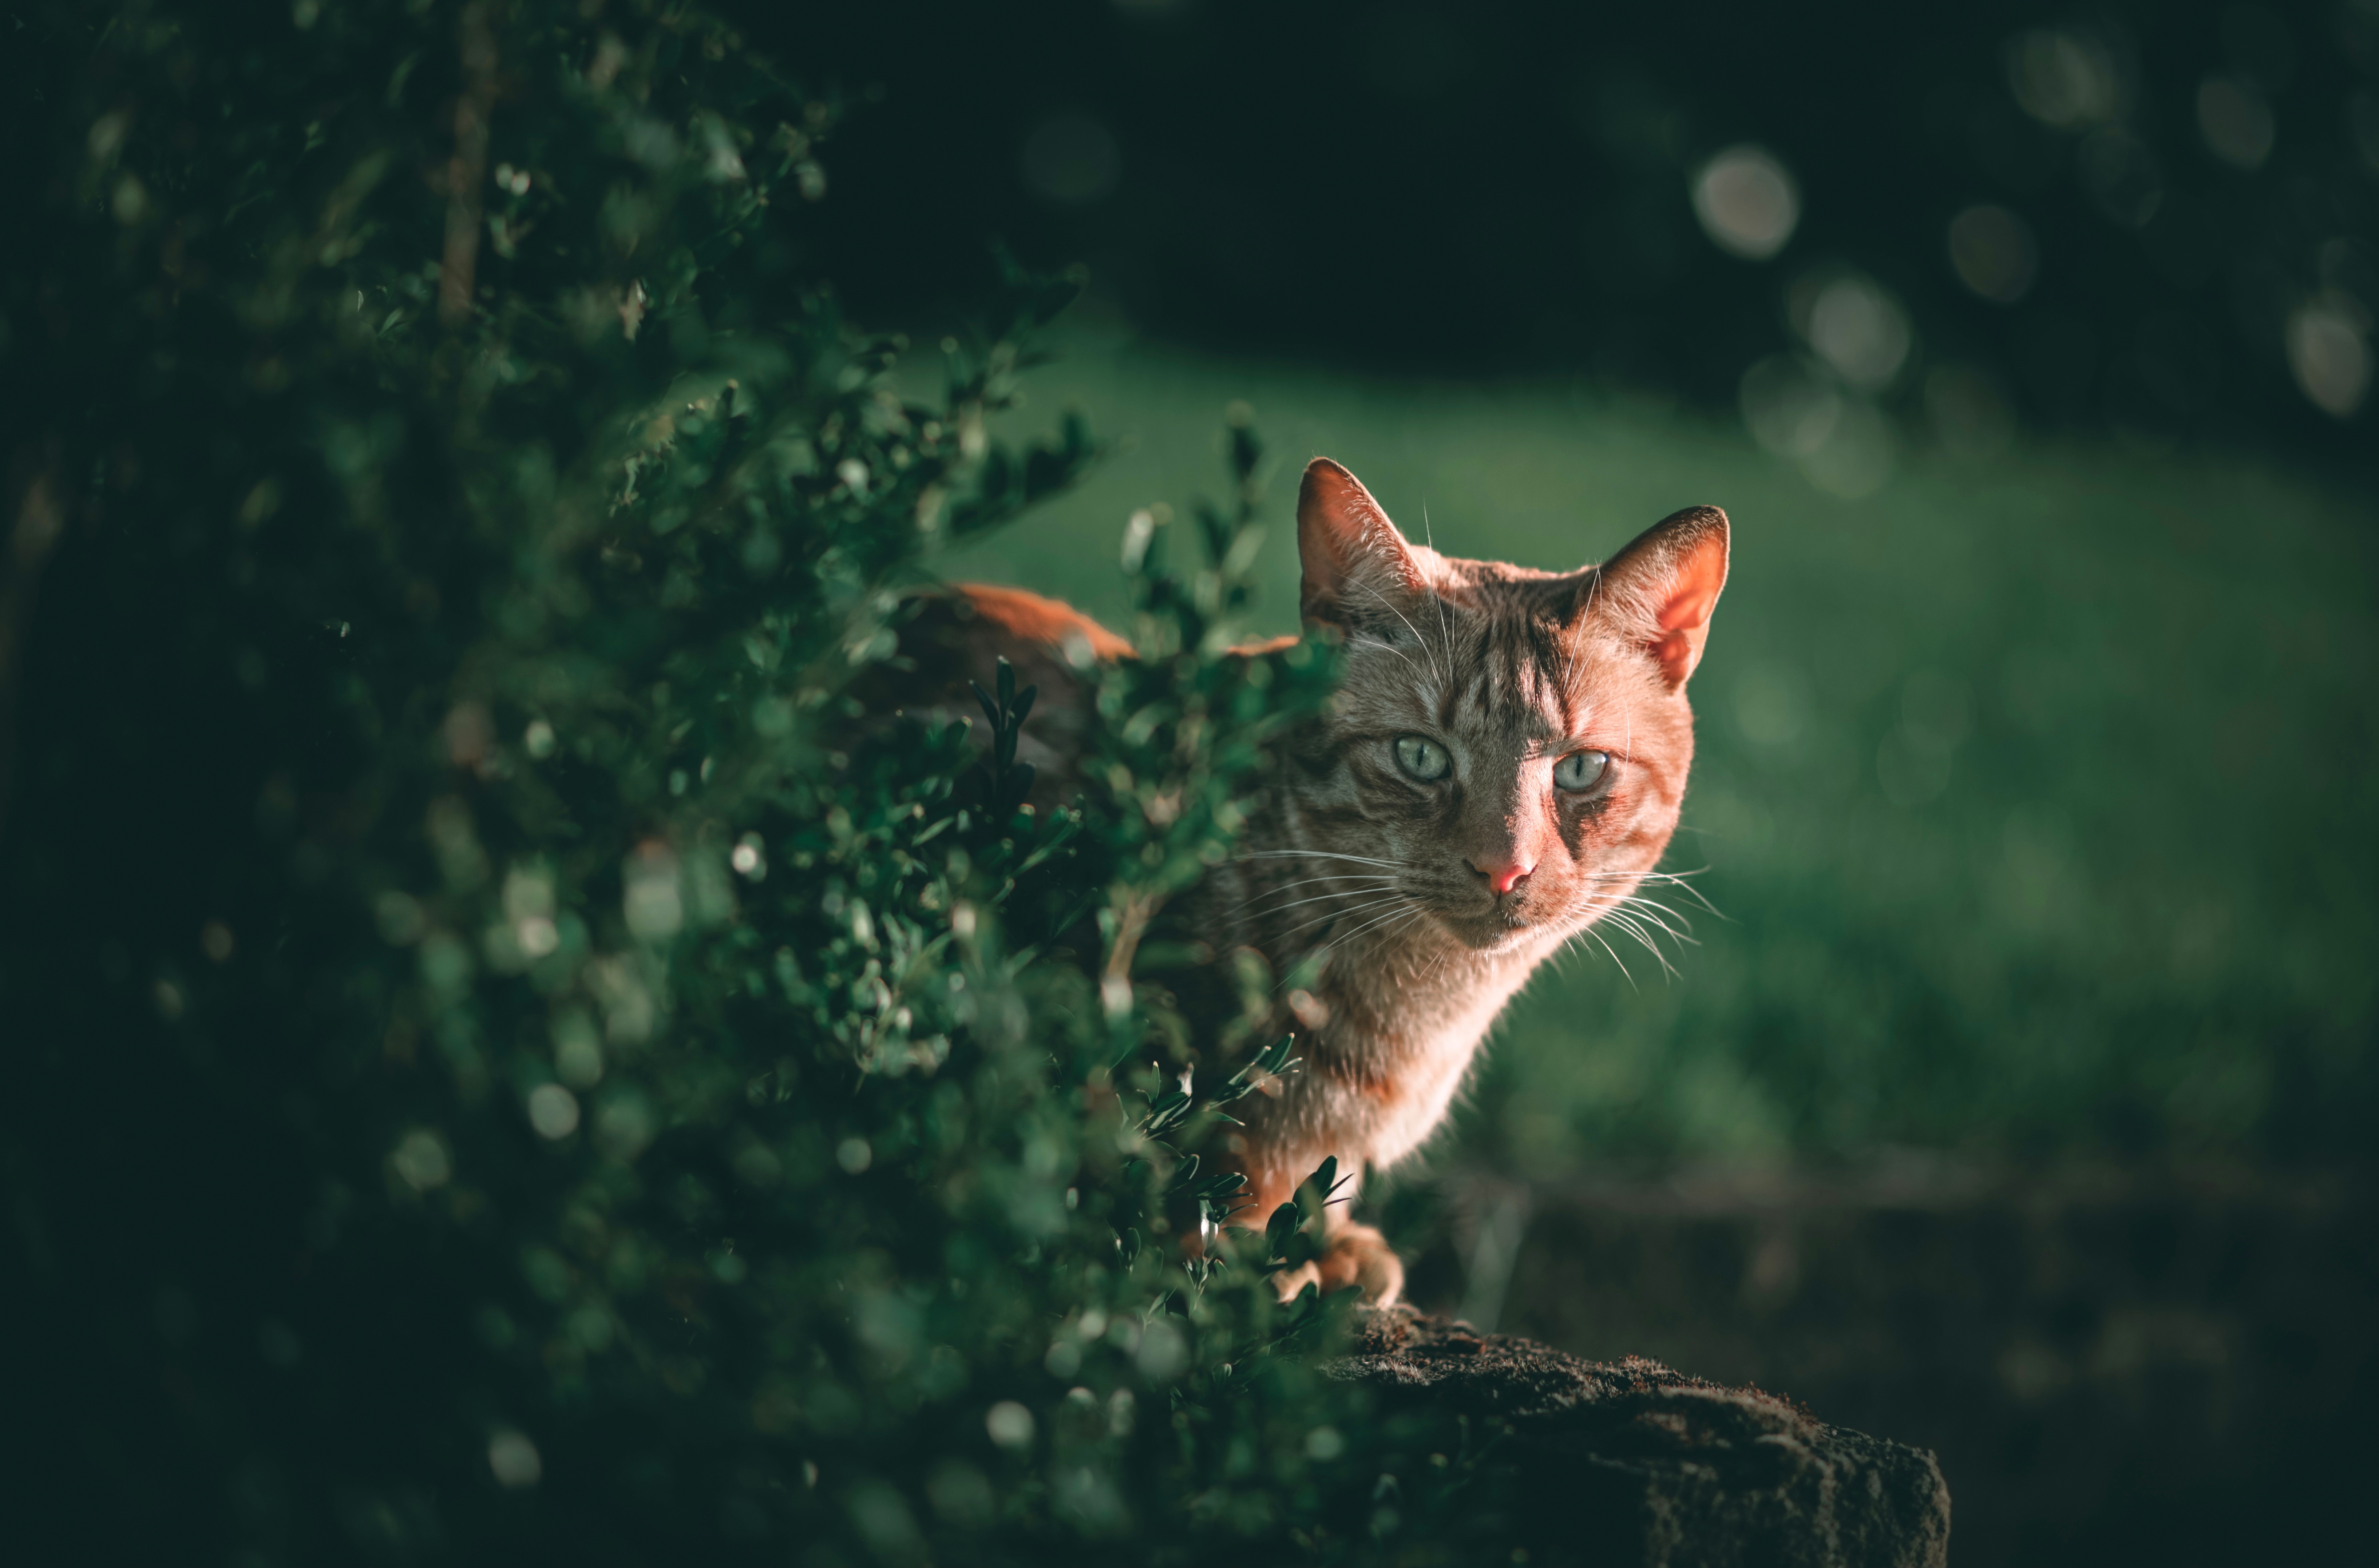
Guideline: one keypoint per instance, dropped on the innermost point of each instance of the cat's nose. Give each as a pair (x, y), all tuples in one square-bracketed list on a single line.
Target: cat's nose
[(1503, 876)]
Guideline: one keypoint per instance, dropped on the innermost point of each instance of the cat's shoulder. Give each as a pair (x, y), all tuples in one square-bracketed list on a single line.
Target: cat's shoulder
[(1024, 616)]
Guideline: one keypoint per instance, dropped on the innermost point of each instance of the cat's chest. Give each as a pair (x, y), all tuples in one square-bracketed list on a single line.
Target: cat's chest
[(1420, 1008), (1400, 1060)]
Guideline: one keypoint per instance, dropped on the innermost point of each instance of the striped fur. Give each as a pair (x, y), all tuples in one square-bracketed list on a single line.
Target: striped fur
[(1381, 888)]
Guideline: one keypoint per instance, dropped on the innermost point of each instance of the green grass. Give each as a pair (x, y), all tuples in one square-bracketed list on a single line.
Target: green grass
[(2035, 791)]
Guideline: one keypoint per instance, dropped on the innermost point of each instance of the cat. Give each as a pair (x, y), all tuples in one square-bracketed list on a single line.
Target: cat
[(1500, 767)]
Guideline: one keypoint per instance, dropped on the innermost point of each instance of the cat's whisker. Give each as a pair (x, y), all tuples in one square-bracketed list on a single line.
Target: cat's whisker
[(1642, 914), (1306, 882), (1649, 930), (1274, 893), (1341, 914), (1676, 922), (1391, 915), (1368, 898), (1324, 948), (1676, 879), (1399, 614), (1643, 939), (1647, 905), (1597, 938), (1445, 627), (1316, 899), (1317, 855), (1331, 877), (1393, 930), (1383, 643), (1569, 672), (1652, 947), (1658, 915), (1438, 968), (1334, 905), (1688, 890), (1435, 963), (1608, 951)]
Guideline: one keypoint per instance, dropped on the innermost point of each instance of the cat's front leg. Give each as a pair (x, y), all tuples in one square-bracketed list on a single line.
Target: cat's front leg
[(1353, 1255), (1356, 1256)]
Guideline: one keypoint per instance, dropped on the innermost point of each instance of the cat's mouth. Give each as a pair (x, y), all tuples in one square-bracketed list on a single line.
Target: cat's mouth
[(1499, 925)]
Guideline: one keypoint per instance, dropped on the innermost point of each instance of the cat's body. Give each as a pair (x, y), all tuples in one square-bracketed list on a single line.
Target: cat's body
[(1501, 768)]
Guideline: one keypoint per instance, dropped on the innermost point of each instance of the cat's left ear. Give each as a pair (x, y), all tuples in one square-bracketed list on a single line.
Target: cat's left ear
[(1356, 564), (1662, 587)]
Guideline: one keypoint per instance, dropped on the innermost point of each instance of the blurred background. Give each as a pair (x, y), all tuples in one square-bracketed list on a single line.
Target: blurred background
[(2011, 1096)]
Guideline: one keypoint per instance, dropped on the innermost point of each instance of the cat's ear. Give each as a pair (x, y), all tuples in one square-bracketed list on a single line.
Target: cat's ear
[(1356, 563), (1661, 588)]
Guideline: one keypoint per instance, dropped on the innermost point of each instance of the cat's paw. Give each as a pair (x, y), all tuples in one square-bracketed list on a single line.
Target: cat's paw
[(1357, 1257)]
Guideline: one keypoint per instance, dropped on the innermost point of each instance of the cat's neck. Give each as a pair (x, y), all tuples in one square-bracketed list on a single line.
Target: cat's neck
[(1416, 982), (1388, 977)]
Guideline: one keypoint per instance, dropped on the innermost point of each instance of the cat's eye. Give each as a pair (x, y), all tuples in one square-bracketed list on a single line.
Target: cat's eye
[(1422, 759), (1581, 771)]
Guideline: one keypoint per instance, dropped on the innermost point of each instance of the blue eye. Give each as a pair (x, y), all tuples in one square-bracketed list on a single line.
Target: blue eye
[(1581, 771), (1422, 759)]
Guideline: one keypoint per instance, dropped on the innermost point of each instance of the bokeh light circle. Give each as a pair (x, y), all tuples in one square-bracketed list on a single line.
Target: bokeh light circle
[(1994, 253), (1747, 203)]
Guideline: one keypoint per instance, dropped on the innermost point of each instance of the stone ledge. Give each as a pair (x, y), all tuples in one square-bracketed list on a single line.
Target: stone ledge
[(1631, 1463)]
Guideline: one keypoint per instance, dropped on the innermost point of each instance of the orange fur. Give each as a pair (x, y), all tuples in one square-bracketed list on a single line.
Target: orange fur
[(1031, 618), (1484, 867)]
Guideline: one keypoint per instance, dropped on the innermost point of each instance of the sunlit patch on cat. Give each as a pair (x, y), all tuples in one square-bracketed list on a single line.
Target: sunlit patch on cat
[(1497, 778), (1494, 781)]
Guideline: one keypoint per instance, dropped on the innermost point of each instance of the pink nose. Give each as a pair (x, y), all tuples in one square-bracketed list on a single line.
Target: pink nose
[(1504, 878)]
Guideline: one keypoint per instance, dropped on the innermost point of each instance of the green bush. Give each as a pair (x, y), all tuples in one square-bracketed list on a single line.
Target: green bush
[(508, 1061)]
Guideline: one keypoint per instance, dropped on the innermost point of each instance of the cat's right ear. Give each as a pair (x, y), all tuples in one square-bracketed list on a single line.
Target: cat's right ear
[(1356, 563), (1662, 587)]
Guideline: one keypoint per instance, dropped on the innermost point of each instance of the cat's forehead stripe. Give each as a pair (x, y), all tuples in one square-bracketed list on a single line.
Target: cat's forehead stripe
[(1508, 669), (1502, 659)]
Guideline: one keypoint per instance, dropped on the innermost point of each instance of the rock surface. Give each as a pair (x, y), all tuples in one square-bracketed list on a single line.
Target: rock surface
[(1631, 1463)]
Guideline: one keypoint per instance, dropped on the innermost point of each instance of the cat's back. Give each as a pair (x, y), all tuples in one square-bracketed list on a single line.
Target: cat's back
[(954, 635)]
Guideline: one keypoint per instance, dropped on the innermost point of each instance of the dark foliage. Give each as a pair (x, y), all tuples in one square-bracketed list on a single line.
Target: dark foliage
[(504, 1064)]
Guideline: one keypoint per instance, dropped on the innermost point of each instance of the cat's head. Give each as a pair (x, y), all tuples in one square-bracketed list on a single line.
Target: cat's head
[(1511, 743)]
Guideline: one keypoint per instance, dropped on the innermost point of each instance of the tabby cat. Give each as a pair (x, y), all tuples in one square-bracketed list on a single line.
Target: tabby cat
[(1501, 768)]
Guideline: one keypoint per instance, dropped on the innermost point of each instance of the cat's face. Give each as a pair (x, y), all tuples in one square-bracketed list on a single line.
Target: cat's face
[(1508, 748)]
